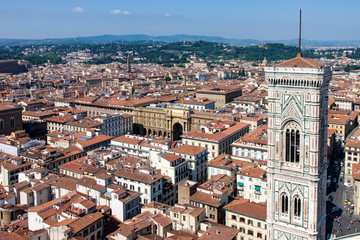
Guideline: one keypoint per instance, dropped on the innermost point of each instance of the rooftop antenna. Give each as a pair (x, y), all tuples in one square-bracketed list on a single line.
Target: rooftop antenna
[(299, 53)]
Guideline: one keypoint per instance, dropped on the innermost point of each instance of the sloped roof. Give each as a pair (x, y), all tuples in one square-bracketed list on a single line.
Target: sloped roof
[(300, 62)]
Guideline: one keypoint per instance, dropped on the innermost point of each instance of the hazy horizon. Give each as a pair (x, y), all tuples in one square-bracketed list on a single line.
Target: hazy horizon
[(177, 34), (259, 20)]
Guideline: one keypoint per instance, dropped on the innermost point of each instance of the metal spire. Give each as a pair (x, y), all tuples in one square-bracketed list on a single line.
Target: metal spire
[(299, 53)]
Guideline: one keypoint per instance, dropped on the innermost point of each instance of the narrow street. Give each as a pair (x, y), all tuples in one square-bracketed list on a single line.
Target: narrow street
[(340, 222)]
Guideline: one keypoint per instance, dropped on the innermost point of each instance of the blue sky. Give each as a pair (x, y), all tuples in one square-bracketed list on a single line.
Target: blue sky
[(244, 19)]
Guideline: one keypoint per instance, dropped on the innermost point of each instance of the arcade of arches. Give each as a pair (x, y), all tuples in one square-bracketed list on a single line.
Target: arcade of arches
[(162, 122)]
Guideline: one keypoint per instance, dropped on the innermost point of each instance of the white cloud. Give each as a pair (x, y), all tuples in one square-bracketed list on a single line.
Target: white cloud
[(115, 12), (78, 10), (118, 12), (167, 14)]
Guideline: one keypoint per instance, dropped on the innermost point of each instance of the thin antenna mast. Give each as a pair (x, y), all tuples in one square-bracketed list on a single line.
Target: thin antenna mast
[(299, 53)]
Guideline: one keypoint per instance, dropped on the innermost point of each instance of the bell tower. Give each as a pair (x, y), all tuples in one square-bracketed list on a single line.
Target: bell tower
[(297, 139)]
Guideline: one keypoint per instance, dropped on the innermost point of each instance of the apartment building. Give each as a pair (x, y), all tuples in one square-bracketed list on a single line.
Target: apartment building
[(252, 145), (107, 124), (144, 180), (197, 104), (249, 103), (212, 195), (171, 165), (352, 155), (10, 167), (227, 164), (341, 124), (68, 216), (124, 204), (197, 157), (216, 136), (38, 194), (187, 217), (248, 217), (139, 145), (252, 183), (86, 141), (220, 95), (51, 158)]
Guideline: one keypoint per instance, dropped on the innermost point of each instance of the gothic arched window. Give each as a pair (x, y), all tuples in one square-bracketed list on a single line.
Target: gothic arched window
[(292, 144), (297, 206), (284, 203)]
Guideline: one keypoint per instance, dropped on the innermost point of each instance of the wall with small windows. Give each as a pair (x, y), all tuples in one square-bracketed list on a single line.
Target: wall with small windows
[(253, 188), (10, 120), (250, 228)]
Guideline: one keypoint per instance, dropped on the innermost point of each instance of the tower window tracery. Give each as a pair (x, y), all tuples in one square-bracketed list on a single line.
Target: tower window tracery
[(292, 143), (284, 203), (297, 206)]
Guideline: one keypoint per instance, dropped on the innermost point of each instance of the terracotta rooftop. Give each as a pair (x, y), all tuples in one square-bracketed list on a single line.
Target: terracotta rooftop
[(300, 62), (247, 208), (253, 171), (219, 231), (338, 119), (171, 157), (225, 161), (356, 171), (205, 198), (188, 149), (226, 132), (136, 175)]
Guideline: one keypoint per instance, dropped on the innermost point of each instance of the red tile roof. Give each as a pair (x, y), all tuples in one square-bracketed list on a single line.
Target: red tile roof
[(218, 136), (300, 62), (188, 149), (250, 209), (171, 157)]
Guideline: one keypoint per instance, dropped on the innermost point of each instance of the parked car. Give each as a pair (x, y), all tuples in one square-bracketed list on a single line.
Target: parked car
[(330, 198), (334, 180)]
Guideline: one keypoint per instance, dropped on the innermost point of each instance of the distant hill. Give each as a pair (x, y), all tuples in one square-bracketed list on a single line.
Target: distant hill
[(174, 38)]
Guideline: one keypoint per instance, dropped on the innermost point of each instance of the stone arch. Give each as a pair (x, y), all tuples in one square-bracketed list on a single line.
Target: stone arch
[(136, 129), (149, 132), (292, 119), (160, 133), (177, 131), (144, 131), (154, 133)]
